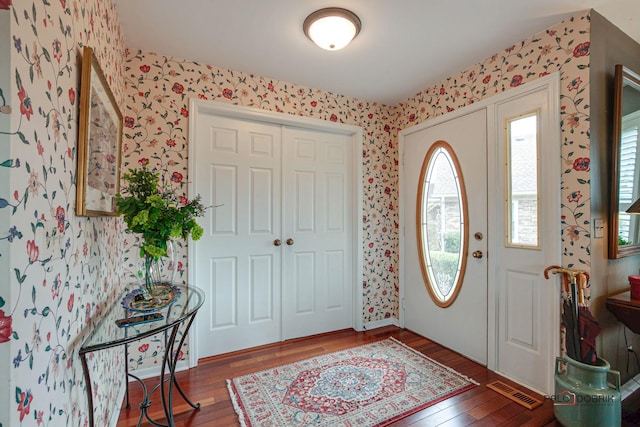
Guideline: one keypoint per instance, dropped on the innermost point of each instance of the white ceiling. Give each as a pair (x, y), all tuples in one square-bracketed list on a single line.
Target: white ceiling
[(404, 47)]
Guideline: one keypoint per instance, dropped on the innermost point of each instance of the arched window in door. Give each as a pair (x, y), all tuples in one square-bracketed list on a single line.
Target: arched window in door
[(442, 224)]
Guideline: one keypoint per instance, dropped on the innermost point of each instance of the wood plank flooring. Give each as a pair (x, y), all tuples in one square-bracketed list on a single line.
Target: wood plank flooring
[(206, 384)]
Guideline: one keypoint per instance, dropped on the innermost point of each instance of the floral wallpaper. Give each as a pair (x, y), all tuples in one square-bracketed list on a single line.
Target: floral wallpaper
[(5, 111), (63, 270)]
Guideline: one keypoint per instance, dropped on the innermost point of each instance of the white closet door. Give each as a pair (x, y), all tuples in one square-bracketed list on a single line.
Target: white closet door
[(317, 279), (274, 183), (238, 166)]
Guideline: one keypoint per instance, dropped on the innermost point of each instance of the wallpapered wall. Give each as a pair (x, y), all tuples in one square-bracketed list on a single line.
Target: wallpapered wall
[(63, 270), (5, 140)]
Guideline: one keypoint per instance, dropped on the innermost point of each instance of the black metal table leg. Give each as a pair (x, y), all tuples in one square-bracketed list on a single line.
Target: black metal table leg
[(87, 380), (126, 370), (177, 384)]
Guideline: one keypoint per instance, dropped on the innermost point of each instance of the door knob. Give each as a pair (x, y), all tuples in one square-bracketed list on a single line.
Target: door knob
[(289, 241), (277, 242), (477, 254)]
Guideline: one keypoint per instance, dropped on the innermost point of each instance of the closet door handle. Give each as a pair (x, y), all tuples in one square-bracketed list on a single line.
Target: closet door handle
[(290, 241), (277, 242)]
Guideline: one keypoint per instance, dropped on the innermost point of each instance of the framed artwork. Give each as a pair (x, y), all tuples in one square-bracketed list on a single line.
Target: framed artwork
[(99, 142)]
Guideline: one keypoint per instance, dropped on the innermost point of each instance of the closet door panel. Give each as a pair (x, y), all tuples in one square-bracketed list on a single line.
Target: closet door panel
[(238, 169), (276, 258), (317, 296), (305, 200)]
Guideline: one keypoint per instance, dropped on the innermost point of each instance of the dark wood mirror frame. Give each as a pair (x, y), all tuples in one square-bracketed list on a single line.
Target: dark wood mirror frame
[(623, 77)]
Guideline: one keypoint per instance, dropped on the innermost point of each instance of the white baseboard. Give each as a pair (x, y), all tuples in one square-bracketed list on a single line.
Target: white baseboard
[(629, 387), (113, 422), (380, 323)]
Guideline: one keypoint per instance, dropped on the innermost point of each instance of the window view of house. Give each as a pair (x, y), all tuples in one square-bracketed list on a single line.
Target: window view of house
[(523, 181)]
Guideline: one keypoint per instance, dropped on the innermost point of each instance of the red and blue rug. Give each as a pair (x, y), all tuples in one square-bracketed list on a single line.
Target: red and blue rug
[(370, 385)]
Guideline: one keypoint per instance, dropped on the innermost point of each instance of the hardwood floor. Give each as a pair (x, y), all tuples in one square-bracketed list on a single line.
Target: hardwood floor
[(206, 384)]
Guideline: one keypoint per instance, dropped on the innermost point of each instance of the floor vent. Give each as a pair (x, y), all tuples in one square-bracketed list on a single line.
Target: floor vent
[(517, 396)]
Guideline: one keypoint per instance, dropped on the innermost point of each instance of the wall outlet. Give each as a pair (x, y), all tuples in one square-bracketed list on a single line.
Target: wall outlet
[(598, 229)]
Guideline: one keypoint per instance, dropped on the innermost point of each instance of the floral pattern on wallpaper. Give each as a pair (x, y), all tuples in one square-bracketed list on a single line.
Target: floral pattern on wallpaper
[(156, 124), (564, 47), (64, 270)]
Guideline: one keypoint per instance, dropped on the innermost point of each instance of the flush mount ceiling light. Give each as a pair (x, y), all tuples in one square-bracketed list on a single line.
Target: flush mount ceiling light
[(332, 28)]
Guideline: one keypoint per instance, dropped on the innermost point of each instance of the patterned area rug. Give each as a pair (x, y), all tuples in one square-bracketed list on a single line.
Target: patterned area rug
[(370, 385)]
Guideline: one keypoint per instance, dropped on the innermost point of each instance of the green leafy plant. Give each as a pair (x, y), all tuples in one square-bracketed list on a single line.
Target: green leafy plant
[(157, 212)]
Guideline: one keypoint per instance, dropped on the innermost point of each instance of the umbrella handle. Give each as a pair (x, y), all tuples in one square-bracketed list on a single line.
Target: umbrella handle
[(581, 282), (567, 273), (555, 269), (551, 267)]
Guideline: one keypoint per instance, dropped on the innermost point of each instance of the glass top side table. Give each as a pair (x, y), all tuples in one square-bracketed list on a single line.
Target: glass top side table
[(179, 315)]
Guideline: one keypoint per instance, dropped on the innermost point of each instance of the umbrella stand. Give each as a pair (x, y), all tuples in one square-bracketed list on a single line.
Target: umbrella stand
[(584, 377), (574, 282)]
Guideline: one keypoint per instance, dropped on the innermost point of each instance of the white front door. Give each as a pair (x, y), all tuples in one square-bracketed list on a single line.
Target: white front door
[(462, 326), (507, 314), (276, 260), (237, 167)]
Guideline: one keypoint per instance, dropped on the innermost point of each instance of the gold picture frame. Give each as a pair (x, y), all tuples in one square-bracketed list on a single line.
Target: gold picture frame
[(99, 142)]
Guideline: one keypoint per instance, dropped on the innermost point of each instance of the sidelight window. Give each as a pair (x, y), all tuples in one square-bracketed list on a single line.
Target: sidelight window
[(523, 202)]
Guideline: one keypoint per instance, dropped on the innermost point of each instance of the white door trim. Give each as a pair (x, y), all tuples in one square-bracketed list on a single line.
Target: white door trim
[(197, 106), (551, 83)]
